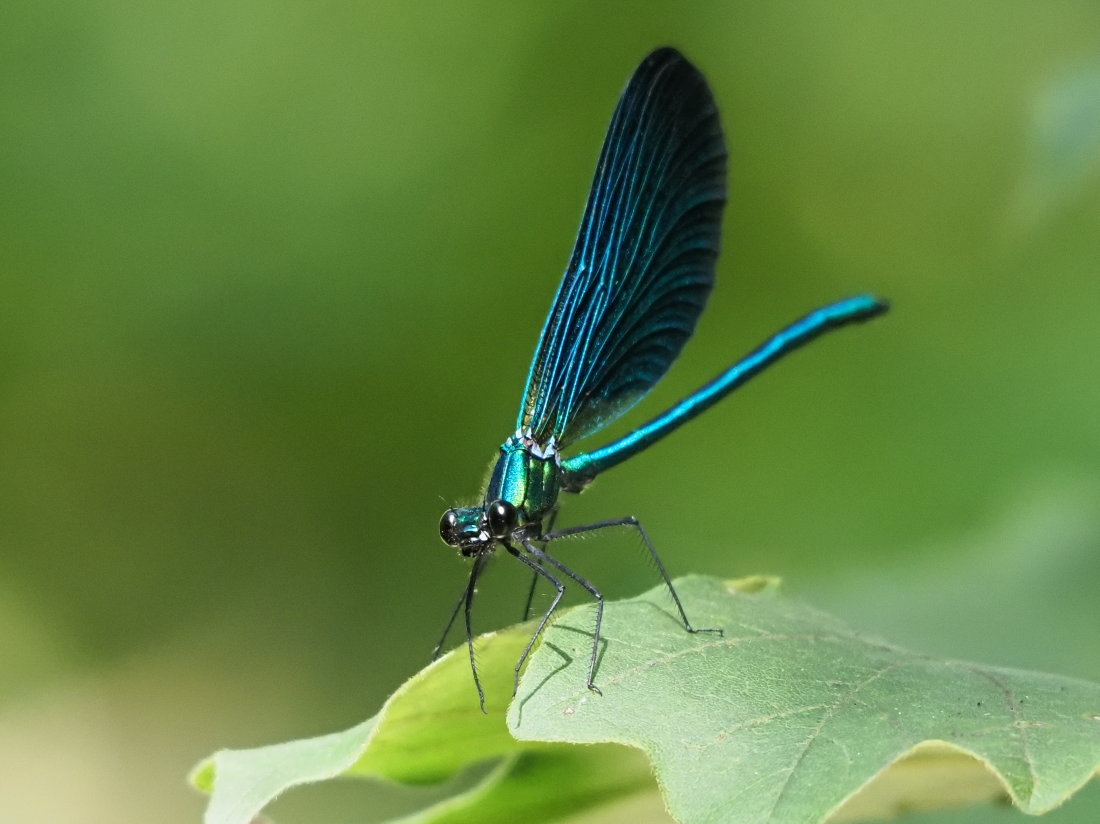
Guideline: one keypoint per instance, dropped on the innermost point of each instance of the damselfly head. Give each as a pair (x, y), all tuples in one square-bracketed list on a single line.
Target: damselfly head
[(474, 529)]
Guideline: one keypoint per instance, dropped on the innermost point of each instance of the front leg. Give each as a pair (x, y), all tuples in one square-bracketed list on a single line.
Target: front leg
[(537, 571), (535, 575)]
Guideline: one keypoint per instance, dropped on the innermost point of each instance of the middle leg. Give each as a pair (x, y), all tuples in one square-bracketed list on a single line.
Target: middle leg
[(631, 521)]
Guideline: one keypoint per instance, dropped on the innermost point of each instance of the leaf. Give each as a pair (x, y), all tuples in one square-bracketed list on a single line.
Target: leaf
[(545, 786), (790, 714), (790, 717), (427, 731), (242, 782)]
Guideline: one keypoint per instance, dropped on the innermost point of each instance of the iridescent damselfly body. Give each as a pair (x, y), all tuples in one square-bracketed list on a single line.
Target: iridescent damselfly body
[(637, 281)]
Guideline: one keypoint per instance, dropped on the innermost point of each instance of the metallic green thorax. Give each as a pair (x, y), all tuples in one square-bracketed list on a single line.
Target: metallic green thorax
[(526, 476), (522, 490)]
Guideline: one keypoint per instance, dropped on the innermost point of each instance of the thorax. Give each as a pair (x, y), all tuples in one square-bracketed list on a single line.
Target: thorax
[(526, 475)]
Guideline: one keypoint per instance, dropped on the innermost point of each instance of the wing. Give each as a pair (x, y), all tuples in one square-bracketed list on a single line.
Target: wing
[(643, 263)]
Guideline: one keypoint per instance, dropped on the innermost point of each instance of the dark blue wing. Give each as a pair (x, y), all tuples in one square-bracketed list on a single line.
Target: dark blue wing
[(643, 263)]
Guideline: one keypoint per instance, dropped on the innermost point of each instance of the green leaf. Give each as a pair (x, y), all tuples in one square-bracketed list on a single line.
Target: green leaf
[(789, 717), (431, 728), (789, 714), (545, 786)]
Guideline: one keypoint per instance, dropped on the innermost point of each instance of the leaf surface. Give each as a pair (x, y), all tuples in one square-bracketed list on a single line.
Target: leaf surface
[(791, 713), (789, 717)]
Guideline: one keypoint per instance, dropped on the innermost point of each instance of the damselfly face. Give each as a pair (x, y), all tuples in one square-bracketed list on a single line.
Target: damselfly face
[(476, 529)]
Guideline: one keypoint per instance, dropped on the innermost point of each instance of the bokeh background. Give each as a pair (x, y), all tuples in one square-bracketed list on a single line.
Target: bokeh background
[(272, 273)]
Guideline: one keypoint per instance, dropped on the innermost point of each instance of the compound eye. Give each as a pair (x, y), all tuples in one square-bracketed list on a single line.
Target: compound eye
[(501, 516), (448, 527)]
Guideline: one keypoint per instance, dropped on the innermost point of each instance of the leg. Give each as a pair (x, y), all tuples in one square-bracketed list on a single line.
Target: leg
[(535, 575), (541, 556), (450, 622), (630, 520), (466, 600), (537, 570), (530, 596), (479, 562)]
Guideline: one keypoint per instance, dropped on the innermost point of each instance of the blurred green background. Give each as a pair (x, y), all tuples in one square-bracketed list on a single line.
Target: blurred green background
[(272, 273)]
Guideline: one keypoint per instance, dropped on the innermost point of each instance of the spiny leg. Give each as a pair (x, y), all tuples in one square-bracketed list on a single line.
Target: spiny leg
[(535, 575), (479, 562), (537, 570), (630, 520), (530, 596), (541, 555)]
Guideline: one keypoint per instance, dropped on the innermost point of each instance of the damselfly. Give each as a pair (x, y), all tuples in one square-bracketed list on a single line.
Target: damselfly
[(637, 281)]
